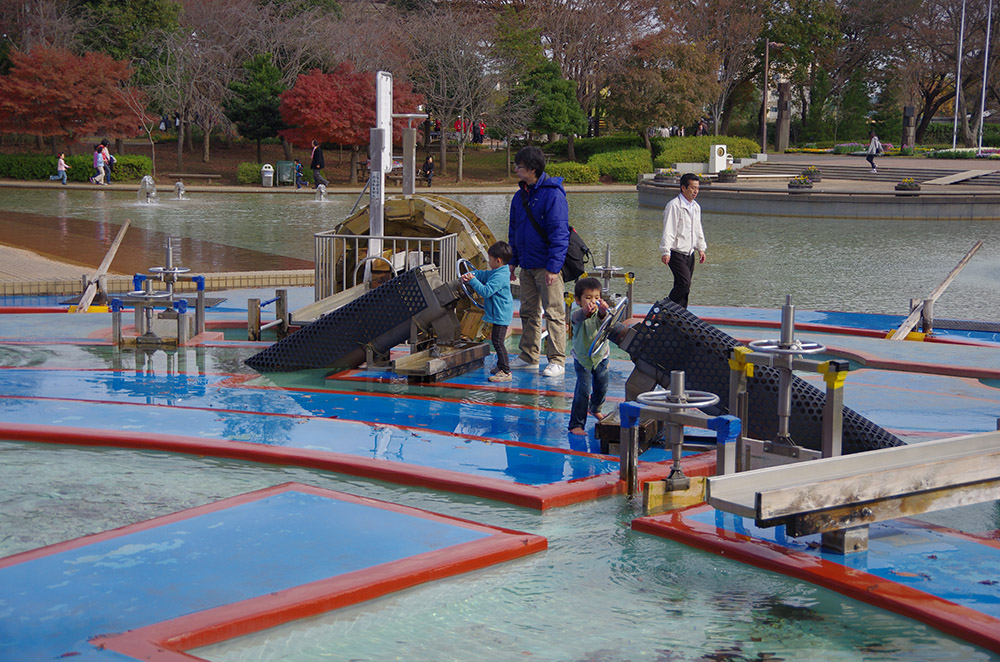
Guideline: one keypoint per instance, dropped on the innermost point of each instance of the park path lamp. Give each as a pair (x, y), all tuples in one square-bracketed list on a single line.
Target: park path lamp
[(763, 117)]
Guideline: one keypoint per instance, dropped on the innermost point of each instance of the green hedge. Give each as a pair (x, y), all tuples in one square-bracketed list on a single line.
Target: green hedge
[(584, 148), (623, 166), (695, 149), (81, 167), (249, 173), (573, 173), (960, 153)]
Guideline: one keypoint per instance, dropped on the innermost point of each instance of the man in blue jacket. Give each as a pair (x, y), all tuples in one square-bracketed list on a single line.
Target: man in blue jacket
[(539, 237)]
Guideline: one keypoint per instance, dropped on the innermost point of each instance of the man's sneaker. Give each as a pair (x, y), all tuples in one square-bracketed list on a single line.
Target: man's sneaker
[(502, 376), (517, 363), (553, 370)]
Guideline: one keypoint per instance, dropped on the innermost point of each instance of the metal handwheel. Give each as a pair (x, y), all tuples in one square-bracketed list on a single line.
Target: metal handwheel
[(771, 346), (469, 292), (614, 317), (692, 400)]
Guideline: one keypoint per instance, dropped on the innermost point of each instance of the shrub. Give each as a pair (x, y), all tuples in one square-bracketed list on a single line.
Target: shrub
[(623, 166), (587, 147), (573, 173), (81, 167), (960, 153), (695, 149), (248, 172), (848, 148)]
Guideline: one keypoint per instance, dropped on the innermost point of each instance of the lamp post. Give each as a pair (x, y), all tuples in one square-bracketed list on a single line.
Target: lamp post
[(958, 78), (763, 111)]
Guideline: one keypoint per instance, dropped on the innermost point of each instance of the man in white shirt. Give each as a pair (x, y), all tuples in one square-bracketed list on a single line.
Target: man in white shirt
[(682, 236)]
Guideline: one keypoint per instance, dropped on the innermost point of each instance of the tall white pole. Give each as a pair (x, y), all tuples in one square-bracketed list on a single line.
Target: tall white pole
[(986, 62), (958, 77)]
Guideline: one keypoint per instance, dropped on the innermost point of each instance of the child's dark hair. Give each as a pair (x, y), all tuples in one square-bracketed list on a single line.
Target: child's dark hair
[(585, 284), (501, 251)]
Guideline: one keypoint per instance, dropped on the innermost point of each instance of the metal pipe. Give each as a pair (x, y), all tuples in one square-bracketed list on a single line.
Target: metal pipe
[(958, 77), (787, 322), (986, 63)]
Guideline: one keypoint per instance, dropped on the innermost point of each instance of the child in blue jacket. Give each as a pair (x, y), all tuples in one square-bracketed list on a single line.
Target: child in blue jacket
[(498, 304)]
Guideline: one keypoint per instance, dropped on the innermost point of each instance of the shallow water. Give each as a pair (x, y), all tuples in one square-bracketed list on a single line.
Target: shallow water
[(849, 264), (600, 592)]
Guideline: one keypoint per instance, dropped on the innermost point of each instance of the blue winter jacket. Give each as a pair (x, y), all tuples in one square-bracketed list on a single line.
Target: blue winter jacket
[(547, 200), (494, 286)]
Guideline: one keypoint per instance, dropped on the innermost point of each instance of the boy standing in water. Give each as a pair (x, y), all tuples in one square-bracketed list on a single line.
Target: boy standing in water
[(592, 373), (498, 304)]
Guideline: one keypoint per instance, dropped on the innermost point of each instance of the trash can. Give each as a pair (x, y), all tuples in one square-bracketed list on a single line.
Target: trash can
[(285, 172), (267, 175)]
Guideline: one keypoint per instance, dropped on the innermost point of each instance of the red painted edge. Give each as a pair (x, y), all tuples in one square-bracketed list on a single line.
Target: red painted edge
[(956, 620), (539, 497), (31, 310), (167, 640)]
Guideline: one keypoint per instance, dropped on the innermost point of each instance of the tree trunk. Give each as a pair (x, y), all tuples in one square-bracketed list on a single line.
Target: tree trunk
[(206, 145), (645, 140), (461, 158), (39, 143), (442, 168), (355, 155), (570, 148), (119, 145), (963, 114), (180, 147), (285, 145), (508, 157), (259, 157)]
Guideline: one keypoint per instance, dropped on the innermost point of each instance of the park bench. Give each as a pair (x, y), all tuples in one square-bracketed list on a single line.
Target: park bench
[(190, 175)]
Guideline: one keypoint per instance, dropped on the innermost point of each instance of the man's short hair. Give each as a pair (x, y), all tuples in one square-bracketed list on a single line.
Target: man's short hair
[(687, 178), (531, 157), (585, 285), (502, 251)]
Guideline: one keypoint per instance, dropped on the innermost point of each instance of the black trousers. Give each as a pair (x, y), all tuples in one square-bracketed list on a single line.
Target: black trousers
[(497, 336), (682, 266)]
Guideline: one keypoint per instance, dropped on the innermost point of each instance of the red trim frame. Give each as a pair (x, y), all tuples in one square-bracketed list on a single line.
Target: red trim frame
[(956, 620), (166, 641), (539, 497)]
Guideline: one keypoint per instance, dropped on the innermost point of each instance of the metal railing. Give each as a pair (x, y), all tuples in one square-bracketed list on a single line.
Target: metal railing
[(338, 255)]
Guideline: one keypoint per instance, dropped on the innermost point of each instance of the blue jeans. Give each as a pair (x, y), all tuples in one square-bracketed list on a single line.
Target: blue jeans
[(583, 398), (61, 176)]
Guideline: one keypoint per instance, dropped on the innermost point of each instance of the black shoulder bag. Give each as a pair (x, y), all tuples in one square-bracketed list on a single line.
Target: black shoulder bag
[(577, 254)]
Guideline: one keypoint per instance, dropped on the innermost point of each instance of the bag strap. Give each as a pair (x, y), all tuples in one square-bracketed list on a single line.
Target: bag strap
[(538, 228)]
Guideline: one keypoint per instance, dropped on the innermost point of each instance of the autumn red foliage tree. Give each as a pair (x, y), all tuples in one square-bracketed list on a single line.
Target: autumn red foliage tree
[(52, 92), (339, 108)]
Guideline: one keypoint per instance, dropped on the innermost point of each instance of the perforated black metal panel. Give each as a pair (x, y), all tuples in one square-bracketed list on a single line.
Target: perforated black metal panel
[(671, 338), (380, 319)]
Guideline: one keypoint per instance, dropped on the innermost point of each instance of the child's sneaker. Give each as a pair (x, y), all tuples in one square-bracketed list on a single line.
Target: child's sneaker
[(501, 376)]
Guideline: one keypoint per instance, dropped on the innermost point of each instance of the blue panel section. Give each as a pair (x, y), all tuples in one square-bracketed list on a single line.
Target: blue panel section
[(935, 562), (51, 606), (199, 407)]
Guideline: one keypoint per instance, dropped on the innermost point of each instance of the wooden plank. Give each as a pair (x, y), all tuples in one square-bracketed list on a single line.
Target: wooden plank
[(887, 509), (736, 493), (91, 291), (878, 484), (911, 320)]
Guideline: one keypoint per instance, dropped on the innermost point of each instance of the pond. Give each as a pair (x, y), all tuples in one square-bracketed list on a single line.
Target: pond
[(848, 264)]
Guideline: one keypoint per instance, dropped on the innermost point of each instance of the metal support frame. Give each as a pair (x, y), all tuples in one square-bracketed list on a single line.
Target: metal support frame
[(676, 408), (784, 355)]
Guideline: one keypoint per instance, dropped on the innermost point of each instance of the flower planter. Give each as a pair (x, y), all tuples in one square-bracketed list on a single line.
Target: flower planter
[(907, 190), (799, 188), (727, 177), (815, 177)]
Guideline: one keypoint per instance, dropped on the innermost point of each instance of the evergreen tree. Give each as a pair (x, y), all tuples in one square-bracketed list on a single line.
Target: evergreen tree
[(253, 105)]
